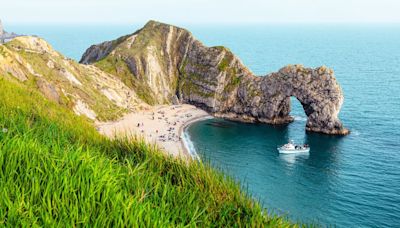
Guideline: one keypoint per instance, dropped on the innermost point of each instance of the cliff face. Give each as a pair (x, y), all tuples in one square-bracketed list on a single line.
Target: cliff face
[(316, 89), (84, 88), (146, 60), (162, 64), (166, 64)]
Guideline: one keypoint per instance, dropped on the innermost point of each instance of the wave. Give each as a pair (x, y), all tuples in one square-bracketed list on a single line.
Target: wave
[(187, 142), (189, 145), (355, 133), (300, 118)]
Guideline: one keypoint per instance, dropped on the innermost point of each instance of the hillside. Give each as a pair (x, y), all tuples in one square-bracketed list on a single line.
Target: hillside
[(85, 89), (57, 170), (165, 64)]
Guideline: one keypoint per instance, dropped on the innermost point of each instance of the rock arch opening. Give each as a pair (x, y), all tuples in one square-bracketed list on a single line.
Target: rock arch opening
[(316, 90), (296, 110)]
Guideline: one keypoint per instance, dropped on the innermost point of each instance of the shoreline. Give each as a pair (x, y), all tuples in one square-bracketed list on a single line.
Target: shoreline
[(185, 139), (163, 125)]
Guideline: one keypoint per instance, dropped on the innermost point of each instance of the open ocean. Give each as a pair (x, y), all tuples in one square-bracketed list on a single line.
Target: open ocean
[(351, 181)]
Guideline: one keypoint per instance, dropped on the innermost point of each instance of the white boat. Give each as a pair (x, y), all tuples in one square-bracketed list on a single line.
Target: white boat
[(292, 148)]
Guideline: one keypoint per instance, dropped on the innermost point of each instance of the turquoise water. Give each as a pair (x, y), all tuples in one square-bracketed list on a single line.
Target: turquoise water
[(351, 181), (346, 181)]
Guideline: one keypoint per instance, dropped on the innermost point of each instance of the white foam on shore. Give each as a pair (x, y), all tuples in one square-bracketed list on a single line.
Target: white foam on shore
[(187, 142)]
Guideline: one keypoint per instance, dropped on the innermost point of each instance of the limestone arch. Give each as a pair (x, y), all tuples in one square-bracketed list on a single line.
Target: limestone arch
[(317, 91)]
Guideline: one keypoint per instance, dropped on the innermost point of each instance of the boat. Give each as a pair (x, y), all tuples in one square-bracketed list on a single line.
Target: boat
[(292, 148)]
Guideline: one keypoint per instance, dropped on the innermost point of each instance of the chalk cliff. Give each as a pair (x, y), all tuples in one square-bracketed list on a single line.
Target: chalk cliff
[(166, 64)]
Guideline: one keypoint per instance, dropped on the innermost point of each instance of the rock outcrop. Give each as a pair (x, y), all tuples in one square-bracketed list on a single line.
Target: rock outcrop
[(164, 63), (85, 89)]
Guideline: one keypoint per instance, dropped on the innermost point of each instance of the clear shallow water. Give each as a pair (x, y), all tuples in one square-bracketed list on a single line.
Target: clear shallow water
[(347, 181)]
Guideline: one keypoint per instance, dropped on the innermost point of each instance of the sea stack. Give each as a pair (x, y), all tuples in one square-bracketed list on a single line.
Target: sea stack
[(163, 63)]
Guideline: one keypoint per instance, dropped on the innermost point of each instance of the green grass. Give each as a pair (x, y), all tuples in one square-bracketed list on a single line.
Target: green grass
[(56, 170), (119, 68), (118, 64), (223, 64), (226, 61), (101, 105)]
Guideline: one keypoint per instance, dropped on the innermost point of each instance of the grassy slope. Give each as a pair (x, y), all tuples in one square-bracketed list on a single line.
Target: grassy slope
[(104, 108), (116, 64), (56, 169)]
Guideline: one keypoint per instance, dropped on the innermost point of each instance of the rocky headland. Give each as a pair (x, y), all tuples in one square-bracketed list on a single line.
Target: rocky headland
[(161, 64), (165, 64)]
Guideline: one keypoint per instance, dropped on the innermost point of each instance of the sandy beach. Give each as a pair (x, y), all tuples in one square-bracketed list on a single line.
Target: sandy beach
[(163, 125)]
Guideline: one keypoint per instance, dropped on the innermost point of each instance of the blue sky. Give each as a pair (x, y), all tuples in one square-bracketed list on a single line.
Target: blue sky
[(200, 11)]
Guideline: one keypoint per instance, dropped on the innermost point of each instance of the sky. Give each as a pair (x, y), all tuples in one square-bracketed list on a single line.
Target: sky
[(199, 11)]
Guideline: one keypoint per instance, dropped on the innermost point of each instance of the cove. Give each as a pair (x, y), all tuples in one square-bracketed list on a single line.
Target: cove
[(342, 181)]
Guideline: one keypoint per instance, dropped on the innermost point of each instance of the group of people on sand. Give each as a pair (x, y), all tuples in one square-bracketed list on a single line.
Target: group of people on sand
[(172, 134)]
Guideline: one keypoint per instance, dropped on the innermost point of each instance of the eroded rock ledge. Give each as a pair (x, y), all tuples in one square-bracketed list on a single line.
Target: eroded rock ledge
[(166, 64)]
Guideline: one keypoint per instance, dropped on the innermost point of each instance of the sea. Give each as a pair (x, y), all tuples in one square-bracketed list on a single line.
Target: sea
[(345, 181)]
